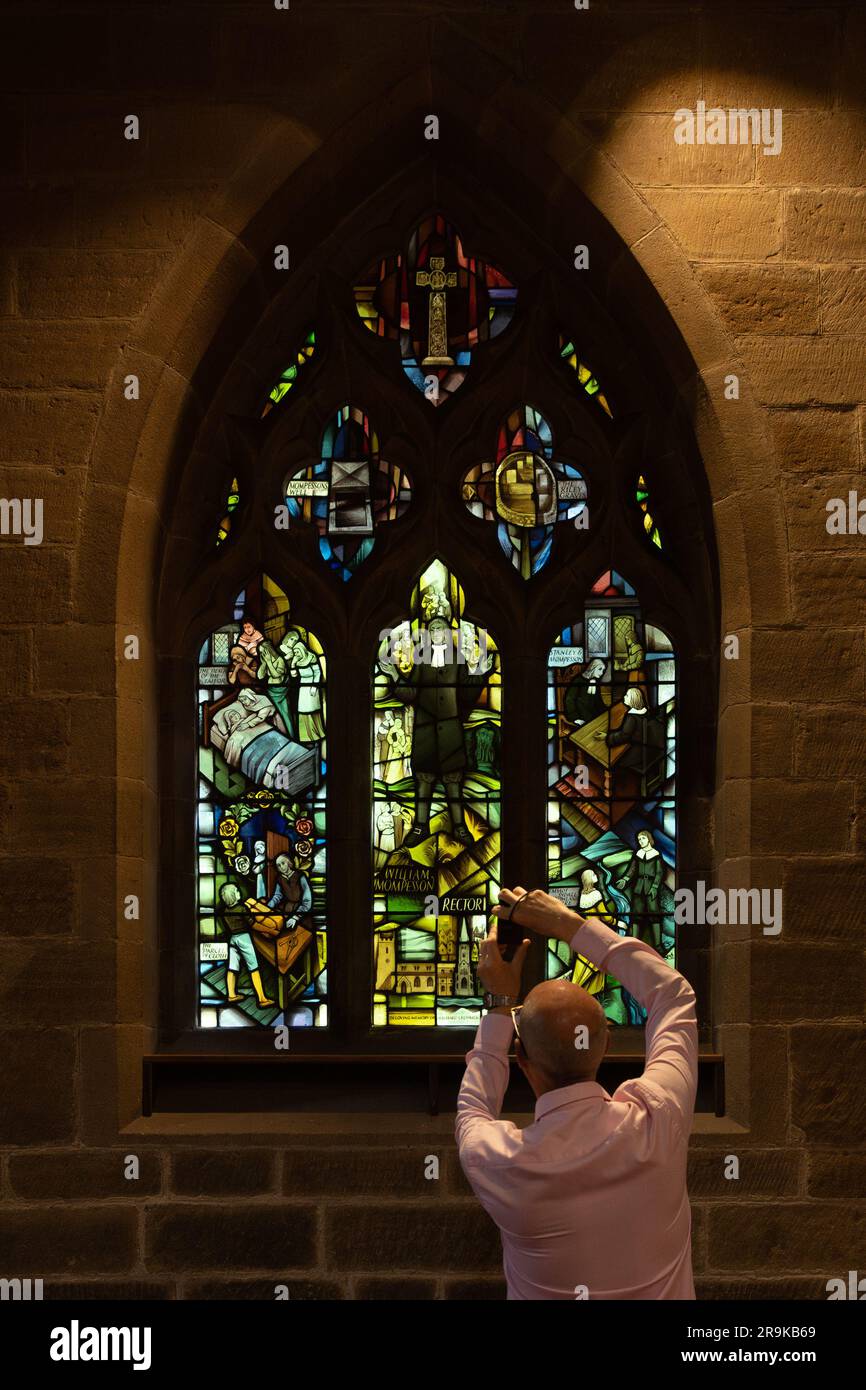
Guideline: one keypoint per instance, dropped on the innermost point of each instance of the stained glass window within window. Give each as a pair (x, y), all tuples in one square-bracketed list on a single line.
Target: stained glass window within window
[(526, 490), (611, 808), (261, 823), (585, 377), (289, 377), (348, 492), (642, 497), (439, 303), (436, 808), (233, 497)]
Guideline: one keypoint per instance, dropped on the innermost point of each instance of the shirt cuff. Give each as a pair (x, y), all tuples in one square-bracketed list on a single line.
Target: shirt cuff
[(593, 940), (495, 1032)]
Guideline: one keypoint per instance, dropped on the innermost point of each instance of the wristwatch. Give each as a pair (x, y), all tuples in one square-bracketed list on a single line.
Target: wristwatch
[(499, 1001)]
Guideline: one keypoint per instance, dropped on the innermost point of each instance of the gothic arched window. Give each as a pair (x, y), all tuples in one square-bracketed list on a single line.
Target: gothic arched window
[(419, 669)]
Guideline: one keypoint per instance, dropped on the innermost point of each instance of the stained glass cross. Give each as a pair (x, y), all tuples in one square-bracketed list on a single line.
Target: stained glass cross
[(438, 280)]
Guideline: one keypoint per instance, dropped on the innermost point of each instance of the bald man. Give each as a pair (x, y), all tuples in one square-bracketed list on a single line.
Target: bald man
[(590, 1199)]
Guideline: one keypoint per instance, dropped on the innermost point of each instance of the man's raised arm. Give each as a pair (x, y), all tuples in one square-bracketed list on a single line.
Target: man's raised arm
[(671, 1029), (484, 1083), (485, 1080)]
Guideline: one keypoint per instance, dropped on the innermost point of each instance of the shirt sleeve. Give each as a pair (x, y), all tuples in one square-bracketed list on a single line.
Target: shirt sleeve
[(671, 1068), (483, 1087), (305, 901)]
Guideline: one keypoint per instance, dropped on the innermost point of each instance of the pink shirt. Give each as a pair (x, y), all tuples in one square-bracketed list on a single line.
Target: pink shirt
[(592, 1194)]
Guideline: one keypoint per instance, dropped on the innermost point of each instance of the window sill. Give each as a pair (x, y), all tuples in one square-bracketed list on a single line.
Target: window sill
[(314, 1087), (369, 1129)]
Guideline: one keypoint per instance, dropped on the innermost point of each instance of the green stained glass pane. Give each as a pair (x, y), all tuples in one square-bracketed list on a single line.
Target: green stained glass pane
[(290, 376), (642, 498), (232, 499), (585, 377)]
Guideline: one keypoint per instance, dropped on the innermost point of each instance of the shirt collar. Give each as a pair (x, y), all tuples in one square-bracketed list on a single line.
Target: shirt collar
[(569, 1095)]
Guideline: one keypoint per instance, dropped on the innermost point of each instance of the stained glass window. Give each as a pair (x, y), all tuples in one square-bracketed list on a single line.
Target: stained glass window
[(348, 486), (348, 492), (526, 491), (611, 810), (439, 303), (642, 497), (288, 378), (232, 500), (261, 831), (436, 807), (278, 392), (585, 378)]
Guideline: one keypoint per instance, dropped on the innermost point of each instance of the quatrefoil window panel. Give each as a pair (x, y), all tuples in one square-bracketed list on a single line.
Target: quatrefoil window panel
[(439, 303), (526, 491), (347, 493)]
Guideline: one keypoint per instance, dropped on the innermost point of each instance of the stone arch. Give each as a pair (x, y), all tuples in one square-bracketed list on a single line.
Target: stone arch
[(219, 287)]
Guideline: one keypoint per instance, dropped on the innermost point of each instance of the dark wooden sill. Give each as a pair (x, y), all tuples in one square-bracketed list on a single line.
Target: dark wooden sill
[(317, 1083)]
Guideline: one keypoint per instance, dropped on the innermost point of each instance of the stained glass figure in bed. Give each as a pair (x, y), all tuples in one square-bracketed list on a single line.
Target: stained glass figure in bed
[(261, 822), (611, 813), (436, 807)]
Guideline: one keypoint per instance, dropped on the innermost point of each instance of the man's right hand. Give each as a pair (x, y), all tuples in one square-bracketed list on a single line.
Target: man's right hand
[(539, 912)]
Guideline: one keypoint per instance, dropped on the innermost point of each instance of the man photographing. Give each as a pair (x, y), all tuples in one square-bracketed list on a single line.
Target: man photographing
[(590, 1199)]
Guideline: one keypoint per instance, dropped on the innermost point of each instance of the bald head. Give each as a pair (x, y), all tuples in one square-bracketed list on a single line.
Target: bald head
[(549, 1023)]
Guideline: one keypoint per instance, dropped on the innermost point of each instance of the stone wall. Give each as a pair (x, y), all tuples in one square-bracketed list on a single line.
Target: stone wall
[(120, 256)]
